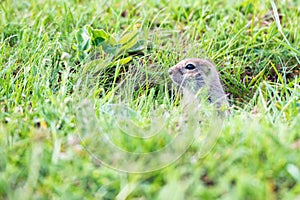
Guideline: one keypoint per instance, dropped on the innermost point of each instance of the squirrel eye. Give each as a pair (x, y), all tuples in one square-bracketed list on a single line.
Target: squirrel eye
[(190, 66)]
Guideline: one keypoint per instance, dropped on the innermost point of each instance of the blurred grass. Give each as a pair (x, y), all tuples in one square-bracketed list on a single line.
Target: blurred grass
[(255, 45)]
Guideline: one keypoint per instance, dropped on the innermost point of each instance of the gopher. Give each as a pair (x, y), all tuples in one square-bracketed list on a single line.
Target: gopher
[(194, 74)]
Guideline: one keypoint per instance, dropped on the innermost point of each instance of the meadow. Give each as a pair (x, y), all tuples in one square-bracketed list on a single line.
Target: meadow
[(66, 66)]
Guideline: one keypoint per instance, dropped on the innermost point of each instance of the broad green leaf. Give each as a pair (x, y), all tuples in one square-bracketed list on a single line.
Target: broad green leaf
[(83, 40), (98, 36), (123, 61), (111, 40), (138, 46), (97, 33), (111, 49), (127, 37), (97, 41), (130, 44)]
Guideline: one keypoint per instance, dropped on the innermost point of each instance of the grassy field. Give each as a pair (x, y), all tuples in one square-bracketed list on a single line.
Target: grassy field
[(64, 64)]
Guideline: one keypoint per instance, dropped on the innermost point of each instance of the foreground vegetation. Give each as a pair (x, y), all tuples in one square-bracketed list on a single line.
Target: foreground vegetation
[(57, 55)]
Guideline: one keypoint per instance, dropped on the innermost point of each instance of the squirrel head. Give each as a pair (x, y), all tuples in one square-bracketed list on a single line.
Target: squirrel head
[(193, 74)]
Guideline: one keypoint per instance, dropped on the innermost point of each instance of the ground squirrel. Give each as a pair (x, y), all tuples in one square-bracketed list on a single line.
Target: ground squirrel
[(194, 74)]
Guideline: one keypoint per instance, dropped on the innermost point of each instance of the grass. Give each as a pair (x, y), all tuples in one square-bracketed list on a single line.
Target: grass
[(55, 54)]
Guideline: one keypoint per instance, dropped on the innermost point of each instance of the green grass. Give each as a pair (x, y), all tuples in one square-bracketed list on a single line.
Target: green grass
[(48, 68)]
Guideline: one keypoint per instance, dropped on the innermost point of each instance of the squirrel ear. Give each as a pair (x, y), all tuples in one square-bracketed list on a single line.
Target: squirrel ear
[(207, 70), (209, 66)]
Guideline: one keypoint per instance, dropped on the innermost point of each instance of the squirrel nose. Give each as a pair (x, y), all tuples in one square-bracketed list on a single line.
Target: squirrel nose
[(170, 71)]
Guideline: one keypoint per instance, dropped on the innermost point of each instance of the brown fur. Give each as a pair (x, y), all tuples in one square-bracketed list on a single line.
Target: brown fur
[(204, 75)]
